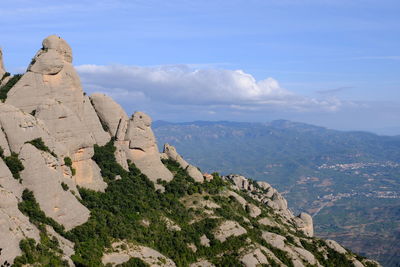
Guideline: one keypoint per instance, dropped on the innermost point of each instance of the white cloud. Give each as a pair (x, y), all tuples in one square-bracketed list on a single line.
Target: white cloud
[(183, 85)]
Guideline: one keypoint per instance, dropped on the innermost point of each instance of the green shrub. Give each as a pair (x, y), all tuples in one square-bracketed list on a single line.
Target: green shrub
[(31, 208), (45, 253), (64, 186), (134, 262), (68, 163), (7, 87), (14, 164), (39, 144)]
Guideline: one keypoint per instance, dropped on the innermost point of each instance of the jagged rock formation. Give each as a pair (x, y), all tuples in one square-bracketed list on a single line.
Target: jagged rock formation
[(14, 227), (265, 193), (142, 148), (43, 176), (78, 175), (170, 153)]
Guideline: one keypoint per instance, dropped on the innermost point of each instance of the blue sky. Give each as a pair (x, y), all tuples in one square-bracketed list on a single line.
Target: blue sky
[(331, 63)]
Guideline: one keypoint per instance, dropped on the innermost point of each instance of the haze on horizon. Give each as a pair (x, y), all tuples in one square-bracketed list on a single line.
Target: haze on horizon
[(329, 63)]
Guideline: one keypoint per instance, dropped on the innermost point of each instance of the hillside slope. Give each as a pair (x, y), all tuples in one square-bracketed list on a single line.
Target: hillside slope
[(83, 184), (348, 181)]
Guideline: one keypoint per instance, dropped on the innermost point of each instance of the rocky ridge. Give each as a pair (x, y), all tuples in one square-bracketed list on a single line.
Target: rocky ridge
[(81, 183)]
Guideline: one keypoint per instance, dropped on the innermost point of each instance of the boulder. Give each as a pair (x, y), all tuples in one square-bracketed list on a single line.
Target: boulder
[(335, 246), (204, 241), (253, 210), (43, 175), (264, 185), (170, 152), (228, 229), (146, 254), (240, 182), (304, 222), (306, 255), (254, 258), (14, 227), (275, 240), (267, 222), (142, 148), (111, 114)]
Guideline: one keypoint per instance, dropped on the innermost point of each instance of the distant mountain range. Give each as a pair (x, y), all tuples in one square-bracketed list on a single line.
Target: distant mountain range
[(349, 181)]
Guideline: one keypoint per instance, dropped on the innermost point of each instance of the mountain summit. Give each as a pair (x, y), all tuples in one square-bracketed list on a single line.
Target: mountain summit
[(83, 184)]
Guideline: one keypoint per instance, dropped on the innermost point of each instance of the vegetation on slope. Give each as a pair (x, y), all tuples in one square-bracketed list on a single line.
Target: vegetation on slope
[(121, 211), (13, 163), (7, 87)]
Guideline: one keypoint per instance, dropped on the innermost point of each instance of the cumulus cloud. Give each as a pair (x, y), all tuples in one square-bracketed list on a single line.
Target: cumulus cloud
[(183, 85)]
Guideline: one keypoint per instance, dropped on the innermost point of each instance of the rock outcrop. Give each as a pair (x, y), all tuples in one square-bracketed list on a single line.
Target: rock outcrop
[(111, 114), (142, 148), (43, 175), (146, 254), (170, 153), (266, 194), (51, 90), (228, 229), (49, 132), (14, 227), (20, 127)]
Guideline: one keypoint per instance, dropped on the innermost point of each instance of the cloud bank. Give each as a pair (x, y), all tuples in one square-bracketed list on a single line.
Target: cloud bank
[(183, 85)]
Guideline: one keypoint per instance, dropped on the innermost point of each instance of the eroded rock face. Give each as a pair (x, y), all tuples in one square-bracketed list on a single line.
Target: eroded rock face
[(111, 114), (20, 127), (335, 246), (87, 174), (305, 223), (254, 258), (266, 194), (170, 152), (50, 76), (51, 90), (14, 227), (92, 122), (43, 175), (146, 254), (64, 125), (227, 229), (142, 148)]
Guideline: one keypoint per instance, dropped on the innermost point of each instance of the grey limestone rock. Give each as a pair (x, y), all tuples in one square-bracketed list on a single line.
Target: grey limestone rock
[(304, 222), (170, 152), (227, 229), (20, 127), (43, 175), (142, 148), (111, 114), (14, 227), (254, 258), (335, 246)]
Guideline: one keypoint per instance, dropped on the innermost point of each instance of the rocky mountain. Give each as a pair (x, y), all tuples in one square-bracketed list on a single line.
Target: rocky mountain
[(348, 181), (83, 184)]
